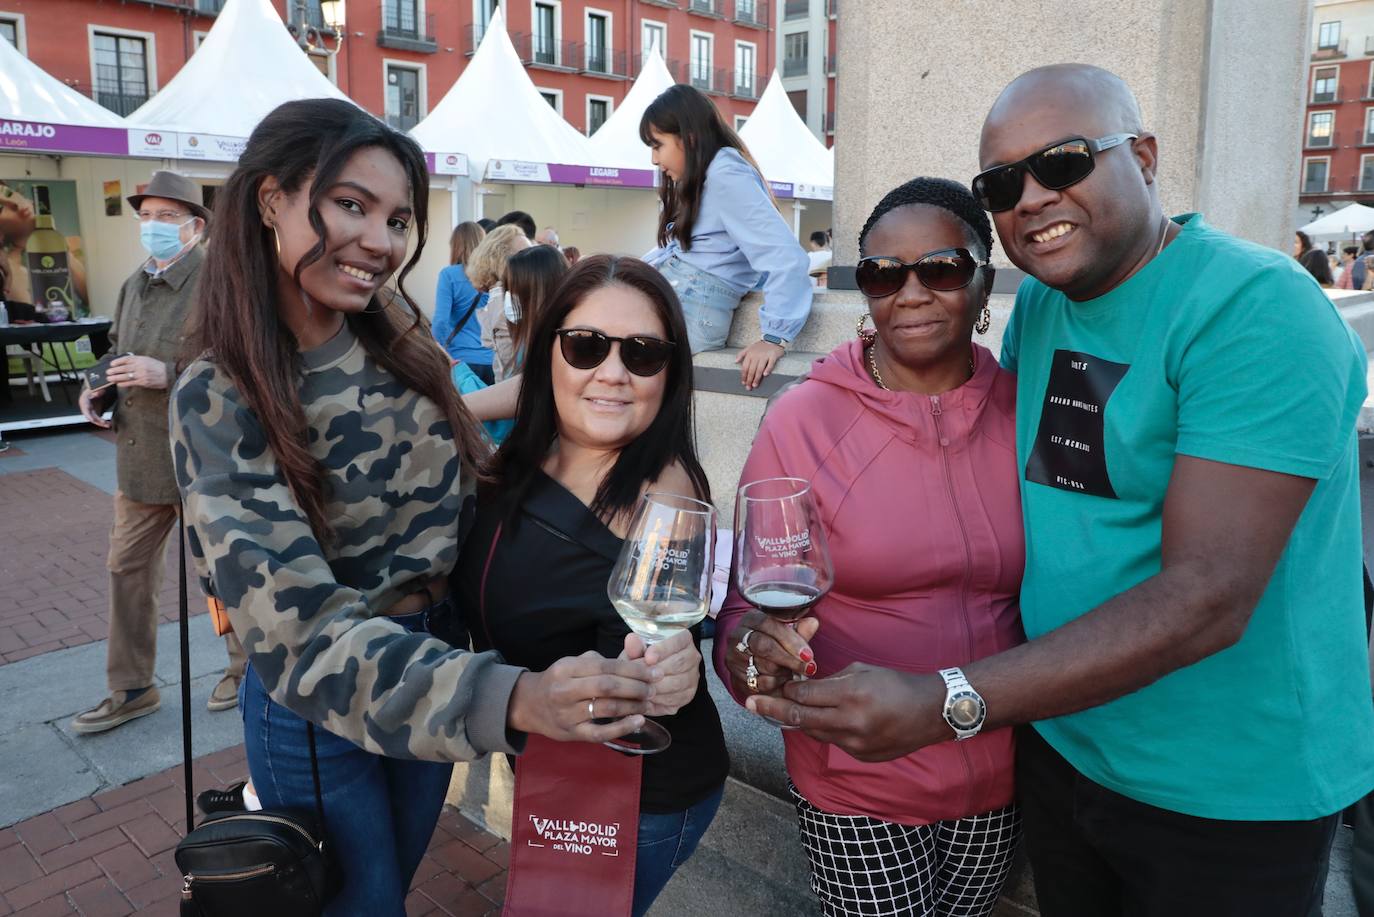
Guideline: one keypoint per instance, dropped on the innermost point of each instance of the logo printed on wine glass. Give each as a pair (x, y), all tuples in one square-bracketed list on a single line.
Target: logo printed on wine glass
[(666, 557), (791, 545)]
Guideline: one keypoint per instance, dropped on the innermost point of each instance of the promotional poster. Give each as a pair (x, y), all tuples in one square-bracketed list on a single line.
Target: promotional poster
[(40, 237)]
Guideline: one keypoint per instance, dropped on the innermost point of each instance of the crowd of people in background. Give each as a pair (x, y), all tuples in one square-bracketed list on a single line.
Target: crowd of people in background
[(1100, 595)]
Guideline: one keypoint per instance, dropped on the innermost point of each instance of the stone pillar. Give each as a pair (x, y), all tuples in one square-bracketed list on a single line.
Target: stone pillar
[(1215, 82)]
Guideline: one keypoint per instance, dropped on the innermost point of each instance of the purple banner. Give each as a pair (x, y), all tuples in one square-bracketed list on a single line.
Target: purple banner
[(782, 189), (601, 175), (36, 136)]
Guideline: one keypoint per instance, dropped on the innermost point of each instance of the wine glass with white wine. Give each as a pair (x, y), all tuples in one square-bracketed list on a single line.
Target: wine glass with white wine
[(661, 583)]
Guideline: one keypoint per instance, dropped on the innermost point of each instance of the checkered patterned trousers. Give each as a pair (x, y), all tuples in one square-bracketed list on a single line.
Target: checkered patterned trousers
[(863, 867)]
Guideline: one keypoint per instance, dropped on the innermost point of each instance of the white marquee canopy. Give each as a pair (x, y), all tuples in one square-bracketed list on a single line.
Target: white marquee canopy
[(247, 65), (785, 149), (617, 142)]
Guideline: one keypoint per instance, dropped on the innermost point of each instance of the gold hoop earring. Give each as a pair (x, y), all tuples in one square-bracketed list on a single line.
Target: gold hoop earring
[(385, 305), (984, 321), (865, 334), (276, 238)]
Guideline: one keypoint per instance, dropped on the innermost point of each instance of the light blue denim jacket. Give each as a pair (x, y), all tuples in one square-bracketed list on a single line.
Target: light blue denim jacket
[(740, 237)]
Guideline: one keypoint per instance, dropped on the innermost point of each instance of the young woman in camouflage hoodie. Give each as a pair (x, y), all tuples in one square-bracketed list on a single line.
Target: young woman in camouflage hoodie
[(327, 466)]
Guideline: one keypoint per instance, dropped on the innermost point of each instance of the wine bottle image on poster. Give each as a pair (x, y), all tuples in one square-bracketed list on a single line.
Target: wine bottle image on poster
[(40, 237)]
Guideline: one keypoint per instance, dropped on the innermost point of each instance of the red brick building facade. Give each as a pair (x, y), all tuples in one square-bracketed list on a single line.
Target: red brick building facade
[(1338, 126), (397, 58)]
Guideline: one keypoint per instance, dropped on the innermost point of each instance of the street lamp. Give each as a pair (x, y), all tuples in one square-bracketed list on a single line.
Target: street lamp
[(312, 39)]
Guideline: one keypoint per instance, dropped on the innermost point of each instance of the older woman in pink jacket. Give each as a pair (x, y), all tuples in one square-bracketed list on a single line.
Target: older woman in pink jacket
[(908, 438)]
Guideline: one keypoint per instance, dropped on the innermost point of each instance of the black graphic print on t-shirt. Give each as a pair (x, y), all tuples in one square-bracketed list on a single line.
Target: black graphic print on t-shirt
[(1069, 451)]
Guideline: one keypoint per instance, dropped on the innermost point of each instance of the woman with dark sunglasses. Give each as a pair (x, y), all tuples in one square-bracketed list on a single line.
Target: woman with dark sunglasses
[(605, 414), (907, 435), (719, 232)]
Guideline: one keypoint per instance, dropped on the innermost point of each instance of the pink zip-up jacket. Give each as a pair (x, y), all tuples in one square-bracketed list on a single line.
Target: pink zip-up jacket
[(918, 495)]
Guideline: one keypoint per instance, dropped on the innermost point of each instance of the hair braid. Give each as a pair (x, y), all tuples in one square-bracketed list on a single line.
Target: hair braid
[(936, 192)]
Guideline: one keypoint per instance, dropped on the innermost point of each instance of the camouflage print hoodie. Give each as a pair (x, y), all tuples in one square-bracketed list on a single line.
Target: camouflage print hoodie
[(311, 616)]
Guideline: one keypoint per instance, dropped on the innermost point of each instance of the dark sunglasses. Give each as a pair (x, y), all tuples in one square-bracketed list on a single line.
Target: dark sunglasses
[(586, 349), (947, 269), (1056, 167)]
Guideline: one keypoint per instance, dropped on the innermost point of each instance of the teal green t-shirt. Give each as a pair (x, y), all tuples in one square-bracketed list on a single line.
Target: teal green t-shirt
[(1226, 351)]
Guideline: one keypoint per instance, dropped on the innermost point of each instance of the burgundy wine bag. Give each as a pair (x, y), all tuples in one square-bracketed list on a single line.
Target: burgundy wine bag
[(574, 833)]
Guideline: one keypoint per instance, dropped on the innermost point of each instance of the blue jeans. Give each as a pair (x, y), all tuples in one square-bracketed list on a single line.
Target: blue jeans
[(665, 843), (379, 812), (708, 303)]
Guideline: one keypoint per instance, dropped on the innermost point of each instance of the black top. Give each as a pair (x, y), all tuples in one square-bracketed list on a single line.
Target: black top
[(546, 599)]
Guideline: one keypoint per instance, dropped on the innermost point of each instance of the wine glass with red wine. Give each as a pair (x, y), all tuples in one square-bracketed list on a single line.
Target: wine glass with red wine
[(782, 562)]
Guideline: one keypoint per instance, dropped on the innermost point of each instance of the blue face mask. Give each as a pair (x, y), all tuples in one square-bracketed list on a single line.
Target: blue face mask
[(161, 240)]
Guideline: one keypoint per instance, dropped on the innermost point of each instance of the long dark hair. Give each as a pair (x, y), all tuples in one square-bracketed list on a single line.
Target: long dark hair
[(532, 276), (669, 438), (238, 323), (688, 113)]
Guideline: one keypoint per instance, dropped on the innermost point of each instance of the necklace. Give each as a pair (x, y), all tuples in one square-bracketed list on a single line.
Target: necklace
[(878, 377)]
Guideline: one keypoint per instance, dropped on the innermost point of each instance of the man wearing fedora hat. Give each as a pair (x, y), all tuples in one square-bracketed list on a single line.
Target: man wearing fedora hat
[(150, 316)]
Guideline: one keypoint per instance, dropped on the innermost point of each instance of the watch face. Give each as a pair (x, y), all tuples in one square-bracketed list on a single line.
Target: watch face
[(966, 710)]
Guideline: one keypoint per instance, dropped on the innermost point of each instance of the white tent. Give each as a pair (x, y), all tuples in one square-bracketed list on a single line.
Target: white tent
[(1350, 220), (785, 149), (40, 114), (494, 114), (247, 65), (617, 142)]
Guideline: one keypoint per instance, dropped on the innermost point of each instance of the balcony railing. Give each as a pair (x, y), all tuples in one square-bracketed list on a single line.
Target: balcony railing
[(1366, 183), (120, 103), (401, 30), (668, 4), (713, 8), (545, 51), (796, 9), (676, 67), (1320, 142), (210, 7), (1310, 187), (1331, 52), (794, 66), (751, 13), (605, 62), (713, 81), (1330, 95), (747, 85)]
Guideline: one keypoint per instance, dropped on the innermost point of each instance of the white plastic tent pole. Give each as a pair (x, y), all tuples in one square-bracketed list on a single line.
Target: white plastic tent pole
[(797, 209)]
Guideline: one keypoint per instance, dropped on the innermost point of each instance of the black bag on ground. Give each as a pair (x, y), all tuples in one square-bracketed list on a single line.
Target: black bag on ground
[(269, 863)]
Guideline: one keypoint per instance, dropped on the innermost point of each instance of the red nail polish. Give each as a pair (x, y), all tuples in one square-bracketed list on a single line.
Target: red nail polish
[(810, 668), (806, 655)]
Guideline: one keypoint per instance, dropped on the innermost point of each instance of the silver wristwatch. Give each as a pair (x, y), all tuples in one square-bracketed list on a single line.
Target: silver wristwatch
[(965, 710)]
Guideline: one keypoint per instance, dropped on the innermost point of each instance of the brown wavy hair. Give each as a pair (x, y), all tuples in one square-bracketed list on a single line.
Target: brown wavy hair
[(687, 112), (464, 241), (238, 324)]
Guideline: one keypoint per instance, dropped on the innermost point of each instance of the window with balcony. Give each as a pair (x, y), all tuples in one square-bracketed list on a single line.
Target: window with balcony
[(402, 17), (796, 9), (795, 50), (746, 11), (1367, 173), (598, 27), (402, 97), (598, 110), (1320, 128), (653, 35), (1324, 84), (482, 11), (746, 56), (121, 71), (210, 7), (1314, 176), (1329, 36), (545, 50), (702, 60)]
